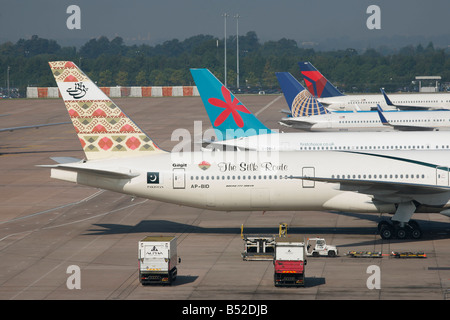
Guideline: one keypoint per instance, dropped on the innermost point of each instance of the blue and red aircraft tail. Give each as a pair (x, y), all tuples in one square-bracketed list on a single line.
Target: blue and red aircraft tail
[(317, 84), (229, 117), (300, 101)]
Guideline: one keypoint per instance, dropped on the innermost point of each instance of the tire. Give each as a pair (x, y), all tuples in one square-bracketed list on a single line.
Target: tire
[(386, 232), (401, 233), (415, 232), (332, 253)]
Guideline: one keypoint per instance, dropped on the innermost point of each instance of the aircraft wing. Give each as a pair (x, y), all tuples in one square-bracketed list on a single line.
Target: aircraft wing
[(386, 191), (401, 127), (402, 106)]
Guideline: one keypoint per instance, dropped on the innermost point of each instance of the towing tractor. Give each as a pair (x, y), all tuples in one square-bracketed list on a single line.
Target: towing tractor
[(157, 260), (317, 247)]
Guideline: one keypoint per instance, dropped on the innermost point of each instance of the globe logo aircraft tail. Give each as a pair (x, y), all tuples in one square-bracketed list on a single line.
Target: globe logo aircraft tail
[(103, 128), (300, 101), (229, 117), (316, 83)]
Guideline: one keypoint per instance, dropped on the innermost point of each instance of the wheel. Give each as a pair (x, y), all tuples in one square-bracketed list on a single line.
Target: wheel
[(401, 233), (386, 231), (332, 253), (415, 231)]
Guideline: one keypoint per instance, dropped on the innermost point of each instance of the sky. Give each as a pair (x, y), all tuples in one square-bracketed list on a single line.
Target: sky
[(152, 22)]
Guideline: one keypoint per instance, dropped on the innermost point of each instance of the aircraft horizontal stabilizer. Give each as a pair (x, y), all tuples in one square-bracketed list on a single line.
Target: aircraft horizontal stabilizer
[(63, 160), (297, 124), (100, 172)]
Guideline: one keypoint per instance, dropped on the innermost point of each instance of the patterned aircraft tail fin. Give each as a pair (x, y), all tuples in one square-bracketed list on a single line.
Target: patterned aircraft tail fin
[(103, 128)]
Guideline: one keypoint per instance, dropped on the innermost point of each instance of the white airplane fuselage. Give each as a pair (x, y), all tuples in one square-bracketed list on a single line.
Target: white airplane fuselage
[(270, 181), (370, 121), (370, 101), (324, 141)]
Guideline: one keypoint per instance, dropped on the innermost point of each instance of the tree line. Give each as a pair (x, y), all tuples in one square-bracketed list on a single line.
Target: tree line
[(112, 62)]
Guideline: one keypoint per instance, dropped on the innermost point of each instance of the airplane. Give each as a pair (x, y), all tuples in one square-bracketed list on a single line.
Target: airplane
[(36, 126), (254, 135), (121, 157), (308, 114), (331, 97)]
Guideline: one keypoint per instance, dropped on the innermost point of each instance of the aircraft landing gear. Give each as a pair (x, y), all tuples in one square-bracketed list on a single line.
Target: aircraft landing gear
[(394, 229)]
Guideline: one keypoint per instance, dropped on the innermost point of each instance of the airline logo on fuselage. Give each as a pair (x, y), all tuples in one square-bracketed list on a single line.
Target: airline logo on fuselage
[(152, 177)]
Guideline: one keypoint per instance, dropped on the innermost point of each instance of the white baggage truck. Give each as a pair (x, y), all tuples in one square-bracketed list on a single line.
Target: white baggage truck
[(157, 259)]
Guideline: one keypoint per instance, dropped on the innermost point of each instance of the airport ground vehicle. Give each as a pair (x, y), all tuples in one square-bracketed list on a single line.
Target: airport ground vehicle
[(261, 246), (317, 247), (364, 254), (157, 260), (408, 254), (289, 261)]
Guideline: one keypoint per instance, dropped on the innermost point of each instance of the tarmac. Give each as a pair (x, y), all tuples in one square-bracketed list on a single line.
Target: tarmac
[(48, 227)]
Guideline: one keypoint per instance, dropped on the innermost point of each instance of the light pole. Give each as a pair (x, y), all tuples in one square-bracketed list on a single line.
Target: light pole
[(225, 15), (7, 81), (237, 16)]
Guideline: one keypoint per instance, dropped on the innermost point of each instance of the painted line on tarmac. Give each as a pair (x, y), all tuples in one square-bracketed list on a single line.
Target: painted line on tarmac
[(57, 208)]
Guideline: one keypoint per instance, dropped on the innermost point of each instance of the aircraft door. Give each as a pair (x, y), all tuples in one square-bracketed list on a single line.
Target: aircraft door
[(442, 176), (308, 172), (179, 178)]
